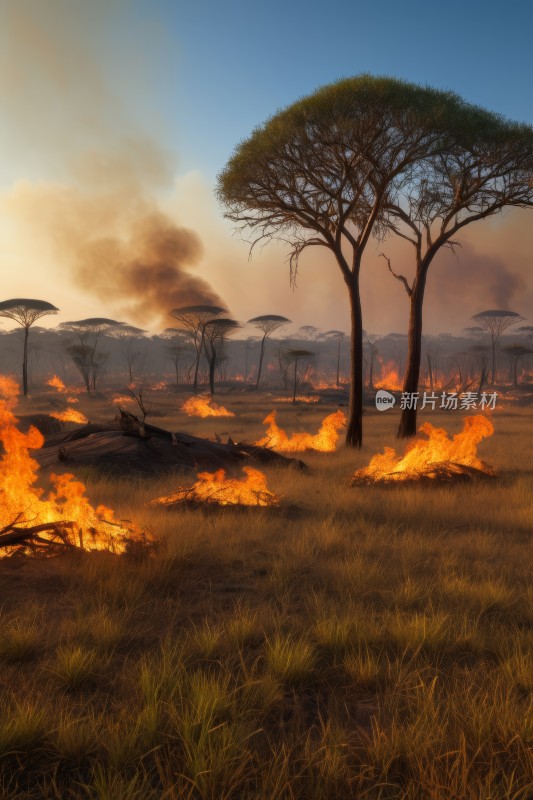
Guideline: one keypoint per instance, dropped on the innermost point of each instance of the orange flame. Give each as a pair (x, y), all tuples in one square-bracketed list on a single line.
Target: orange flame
[(22, 505), (56, 383), (426, 457), (70, 415), (72, 399), (325, 441), (214, 488), (303, 399), (388, 377), (204, 407), (122, 399)]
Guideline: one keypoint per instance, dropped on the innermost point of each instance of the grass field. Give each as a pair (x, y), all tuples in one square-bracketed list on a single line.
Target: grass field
[(372, 643)]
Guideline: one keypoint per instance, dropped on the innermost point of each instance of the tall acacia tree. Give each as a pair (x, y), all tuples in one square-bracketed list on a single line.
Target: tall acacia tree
[(268, 323), (485, 165), (319, 172), (26, 313), (193, 319)]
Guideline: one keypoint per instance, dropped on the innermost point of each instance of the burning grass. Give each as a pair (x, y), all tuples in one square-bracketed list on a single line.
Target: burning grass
[(376, 646), (30, 517), (70, 415), (204, 407), (437, 458), (213, 488), (325, 441)]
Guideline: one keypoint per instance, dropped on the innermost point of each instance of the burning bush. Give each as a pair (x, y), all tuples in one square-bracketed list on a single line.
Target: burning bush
[(31, 518), (204, 407), (213, 488), (325, 441), (436, 458)]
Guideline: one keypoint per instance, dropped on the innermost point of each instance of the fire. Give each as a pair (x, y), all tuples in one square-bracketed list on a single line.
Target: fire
[(56, 383), (434, 457), (70, 415), (303, 399), (72, 399), (388, 378), (122, 399), (325, 441), (215, 489), (321, 384), (159, 387), (63, 513), (204, 407)]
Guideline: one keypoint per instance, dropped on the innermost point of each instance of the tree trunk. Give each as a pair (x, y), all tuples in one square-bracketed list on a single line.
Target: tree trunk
[(338, 362), (260, 362), (197, 365), (212, 364), (354, 431), (25, 363), (493, 374), (407, 426), (295, 375)]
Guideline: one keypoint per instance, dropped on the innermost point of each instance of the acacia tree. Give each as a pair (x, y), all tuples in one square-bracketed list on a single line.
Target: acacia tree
[(84, 351), (193, 319), (339, 336), (216, 332), (319, 172), (178, 347), (26, 313), (130, 337), (295, 357), (514, 353), (484, 165), (495, 322), (268, 323)]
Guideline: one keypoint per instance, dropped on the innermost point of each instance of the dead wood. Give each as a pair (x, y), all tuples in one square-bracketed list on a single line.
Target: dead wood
[(126, 445)]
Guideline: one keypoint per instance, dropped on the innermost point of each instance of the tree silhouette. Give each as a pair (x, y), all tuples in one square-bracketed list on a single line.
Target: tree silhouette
[(193, 319), (296, 356), (268, 323), (339, 336), (514, 353), (319, 172), (129, 337), (495, 322), (178, 347), (26, 312), (216, 332), (83, 352)]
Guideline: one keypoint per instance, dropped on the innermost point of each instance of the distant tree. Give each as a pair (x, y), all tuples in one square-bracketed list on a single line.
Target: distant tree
[(26, 313), (129, 337), (319, 173), (193, 319), (296, 357), (178, 346), (514, 353), (249, 346), (339, 336), (309, 333), (480, 352), (216, 332), (268, 323), (83, 352), (495, 322), (372, 351)]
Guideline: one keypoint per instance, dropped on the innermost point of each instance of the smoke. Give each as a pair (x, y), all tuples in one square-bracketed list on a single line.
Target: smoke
[(61, 77)]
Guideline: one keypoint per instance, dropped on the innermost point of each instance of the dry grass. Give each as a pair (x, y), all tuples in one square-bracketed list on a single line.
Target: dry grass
[(371, 643)]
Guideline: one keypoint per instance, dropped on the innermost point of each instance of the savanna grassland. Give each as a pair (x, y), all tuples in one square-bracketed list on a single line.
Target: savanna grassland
[(370, 642)]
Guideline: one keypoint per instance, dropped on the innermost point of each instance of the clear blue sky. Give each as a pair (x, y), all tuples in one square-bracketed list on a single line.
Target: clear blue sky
[(235, 63)]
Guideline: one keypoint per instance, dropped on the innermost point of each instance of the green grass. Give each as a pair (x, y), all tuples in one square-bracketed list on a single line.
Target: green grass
[(362, 643)]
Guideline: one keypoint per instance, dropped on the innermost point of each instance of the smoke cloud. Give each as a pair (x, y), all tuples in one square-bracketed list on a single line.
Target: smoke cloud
[(102, 224)]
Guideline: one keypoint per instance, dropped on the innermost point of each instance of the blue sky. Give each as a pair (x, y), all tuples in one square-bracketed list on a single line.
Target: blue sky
[(236, 63), (110, 107)]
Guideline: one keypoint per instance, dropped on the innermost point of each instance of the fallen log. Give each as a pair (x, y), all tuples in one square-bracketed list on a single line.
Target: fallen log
[(129, 446)]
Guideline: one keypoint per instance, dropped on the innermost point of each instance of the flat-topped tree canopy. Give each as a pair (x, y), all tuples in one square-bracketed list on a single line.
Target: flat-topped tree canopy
[(26, 311), (93, 323)]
